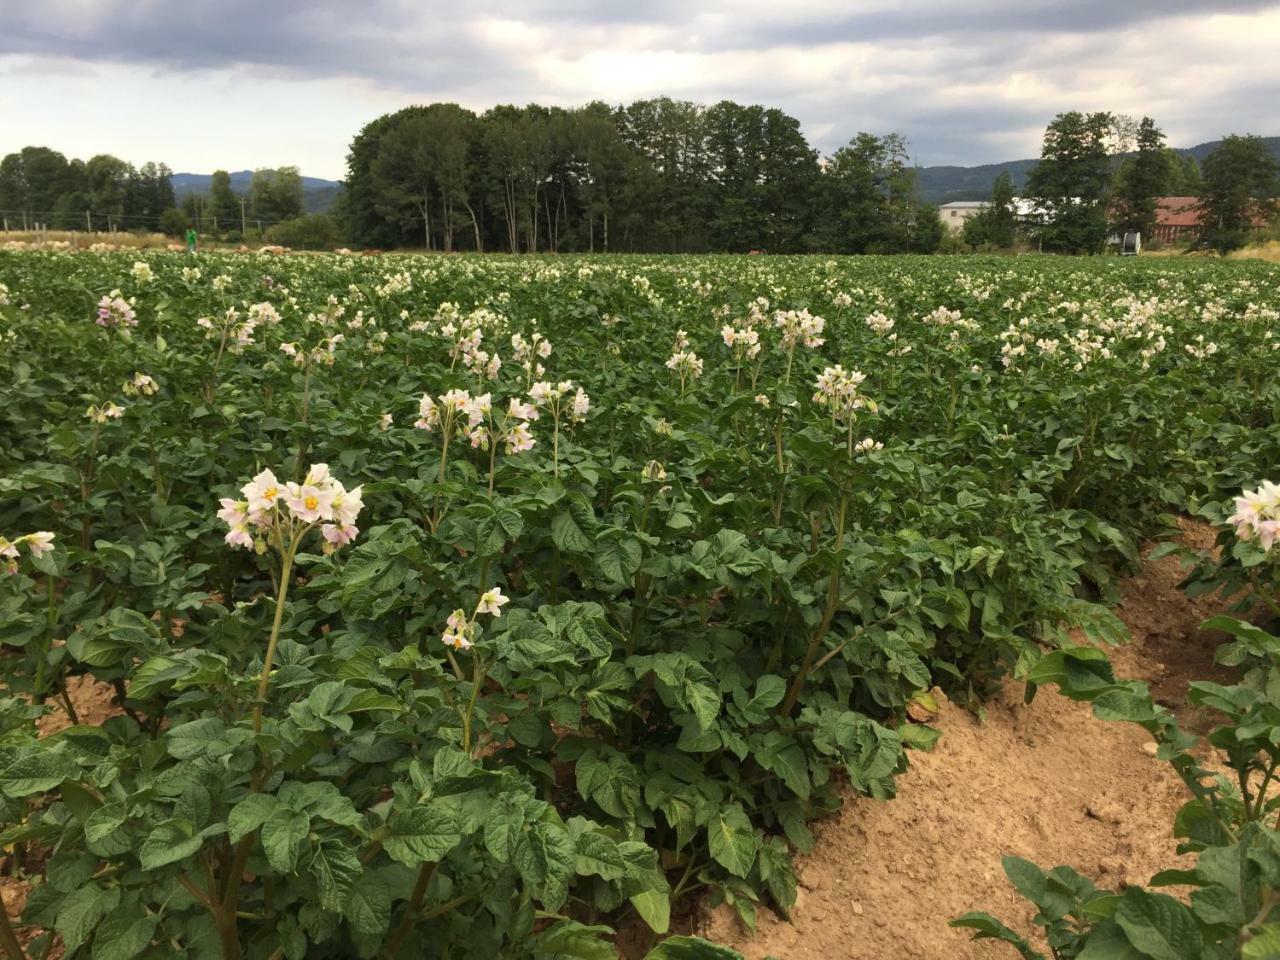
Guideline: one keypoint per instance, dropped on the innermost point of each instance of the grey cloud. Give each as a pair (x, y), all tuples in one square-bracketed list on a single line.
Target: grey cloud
[(440, 49)]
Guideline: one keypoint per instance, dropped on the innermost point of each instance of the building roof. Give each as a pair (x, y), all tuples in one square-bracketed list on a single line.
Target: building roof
[(1178, 211), (964, 205)]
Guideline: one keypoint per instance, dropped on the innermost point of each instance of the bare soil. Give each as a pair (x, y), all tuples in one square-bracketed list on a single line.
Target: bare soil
[(1045, 781)]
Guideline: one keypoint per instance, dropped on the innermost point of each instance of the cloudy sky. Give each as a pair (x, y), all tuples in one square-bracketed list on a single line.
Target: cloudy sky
[(201, 84)]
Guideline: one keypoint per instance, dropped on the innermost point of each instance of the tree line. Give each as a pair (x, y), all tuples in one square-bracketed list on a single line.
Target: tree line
[(41, 186), (658, 175), (1101, 174)]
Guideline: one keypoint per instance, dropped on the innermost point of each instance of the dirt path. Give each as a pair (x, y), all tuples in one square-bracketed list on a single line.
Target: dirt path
[(1048, 782)]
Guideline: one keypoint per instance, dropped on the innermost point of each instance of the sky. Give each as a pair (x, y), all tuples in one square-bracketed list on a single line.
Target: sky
[(239, 84)]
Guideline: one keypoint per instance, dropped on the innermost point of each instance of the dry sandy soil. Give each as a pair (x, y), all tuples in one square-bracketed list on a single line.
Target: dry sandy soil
[(1047, 782)]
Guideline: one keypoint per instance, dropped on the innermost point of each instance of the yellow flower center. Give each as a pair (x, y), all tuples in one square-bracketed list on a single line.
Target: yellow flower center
[(311, 503), (270, 493)]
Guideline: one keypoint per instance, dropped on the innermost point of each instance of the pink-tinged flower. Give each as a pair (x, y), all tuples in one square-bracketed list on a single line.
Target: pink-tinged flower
[(541, 393), (239, 536), (309, 503), (384, 422), (262, 492), (479, 437), (115, 312), (581, 404), (477, 408), (492, 601), (456, 400), (8, 549), (337, 535), (347, 504), (457, 631), (521, 411), (519, 439), (428, 414), (318, 475), (728, 334), (1258, 514), (233, 511)]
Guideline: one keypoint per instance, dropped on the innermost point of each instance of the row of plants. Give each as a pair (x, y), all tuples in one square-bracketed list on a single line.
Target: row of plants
[(483, 607), (1229, 905)]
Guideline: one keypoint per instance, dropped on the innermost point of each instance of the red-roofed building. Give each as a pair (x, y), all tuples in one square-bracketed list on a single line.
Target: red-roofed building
[(1177, 218)]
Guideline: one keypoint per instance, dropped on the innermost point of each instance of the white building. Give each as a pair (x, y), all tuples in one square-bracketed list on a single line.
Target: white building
[(956, 213)]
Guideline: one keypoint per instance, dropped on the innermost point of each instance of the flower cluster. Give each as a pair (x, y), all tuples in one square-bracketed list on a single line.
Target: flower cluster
[(140, 385), (799, 326), (527, 352), (269, 505), (107, 411), (264, 315), (687, 365), (141, 272), (1202, 349), (114, 311), (446, 410), (543, 394), (837, 388), (460, 629), (38, 543), (1258, 514), (879, 323), (744, 342), (235, 333)]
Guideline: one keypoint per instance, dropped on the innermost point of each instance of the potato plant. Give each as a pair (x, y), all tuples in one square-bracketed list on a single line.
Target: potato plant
[(480, 607)]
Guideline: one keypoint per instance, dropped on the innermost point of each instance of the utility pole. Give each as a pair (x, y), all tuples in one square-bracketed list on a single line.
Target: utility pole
[(243, 228)]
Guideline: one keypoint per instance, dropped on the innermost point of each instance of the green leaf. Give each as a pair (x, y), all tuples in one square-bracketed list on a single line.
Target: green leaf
[(38, 770), (544, 855), (80, 912), (282, 836), (337, 870), (1264, 945), (987, 927), (654, 907), (570, 940), (369, 908), (598, 854), (1159, 926), (102, 830), (248, 815), (691, 948), (168, 843), (732, 840), (423, 834), (566, 533), (125, 934)]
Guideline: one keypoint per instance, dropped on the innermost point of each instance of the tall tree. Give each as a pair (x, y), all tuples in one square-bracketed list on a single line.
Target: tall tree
[(996, 225), (224, 205), (1141, 179), (1241, 179), (1070, 182), (276, 194)]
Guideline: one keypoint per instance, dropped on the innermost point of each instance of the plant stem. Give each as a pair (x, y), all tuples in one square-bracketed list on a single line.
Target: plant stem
[(265, 679), (833, 603), (405, 926), (9, 939), (477, 677)]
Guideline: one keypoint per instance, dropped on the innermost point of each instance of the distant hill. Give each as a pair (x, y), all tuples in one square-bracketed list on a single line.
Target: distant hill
[(318, 193), (944, 184)]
